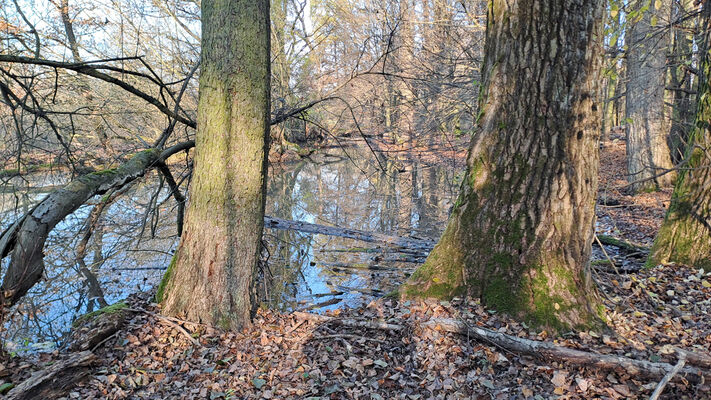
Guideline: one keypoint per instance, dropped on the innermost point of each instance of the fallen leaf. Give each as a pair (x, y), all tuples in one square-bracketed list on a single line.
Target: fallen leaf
[(559, 378)]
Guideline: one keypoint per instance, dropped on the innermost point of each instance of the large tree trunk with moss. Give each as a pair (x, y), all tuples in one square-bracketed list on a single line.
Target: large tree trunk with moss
[(520, 234), (685, 235), (211, 278), (647, 150)]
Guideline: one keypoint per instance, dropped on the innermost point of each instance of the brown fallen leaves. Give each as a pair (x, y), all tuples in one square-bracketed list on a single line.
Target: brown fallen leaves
[(284, 357)]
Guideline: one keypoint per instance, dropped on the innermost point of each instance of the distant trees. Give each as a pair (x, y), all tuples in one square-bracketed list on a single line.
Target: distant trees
[(212, 274), (647, 126), (520, 233)]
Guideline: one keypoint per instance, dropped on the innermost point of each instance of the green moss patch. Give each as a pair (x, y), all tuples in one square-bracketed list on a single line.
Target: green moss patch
[(166, 278), (110, 309)]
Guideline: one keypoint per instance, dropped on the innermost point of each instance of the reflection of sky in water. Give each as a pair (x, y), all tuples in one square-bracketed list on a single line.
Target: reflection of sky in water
[(328, 191), (341, 194)]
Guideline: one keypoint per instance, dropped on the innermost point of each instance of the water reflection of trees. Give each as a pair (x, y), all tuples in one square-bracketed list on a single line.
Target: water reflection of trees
[(396, 201), (96, 257)]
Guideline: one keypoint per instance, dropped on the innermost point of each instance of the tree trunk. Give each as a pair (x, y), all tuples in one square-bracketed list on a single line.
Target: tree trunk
[(681, 80), (520, 234), (647, 150), (211, 277), (685, 235), (69, 30)]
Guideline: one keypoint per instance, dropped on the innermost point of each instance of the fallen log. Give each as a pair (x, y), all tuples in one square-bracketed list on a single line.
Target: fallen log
[(336, 265), (546, 350), (371, 237), (322, 304), (91, 330), (28, 235), (56, 380), (700, 360), (622, 244)]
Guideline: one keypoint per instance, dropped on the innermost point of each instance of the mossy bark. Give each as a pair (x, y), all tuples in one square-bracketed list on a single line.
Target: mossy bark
[(212, 279), (647, 151), (685, 235), (520, 234)]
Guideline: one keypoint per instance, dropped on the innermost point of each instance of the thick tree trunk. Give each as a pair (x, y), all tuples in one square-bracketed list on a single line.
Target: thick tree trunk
[(685, 235), (211, 277), (647, 150), (520, 234)]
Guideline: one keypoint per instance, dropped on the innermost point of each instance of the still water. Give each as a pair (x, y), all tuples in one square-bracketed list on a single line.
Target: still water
[(131, 248)]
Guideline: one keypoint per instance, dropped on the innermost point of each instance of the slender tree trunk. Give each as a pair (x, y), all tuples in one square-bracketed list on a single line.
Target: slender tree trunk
[(520, 234), (69, 30), (685, 235), (647, 150), (281, 71), (404, 61), (211, 277), (612, 76)]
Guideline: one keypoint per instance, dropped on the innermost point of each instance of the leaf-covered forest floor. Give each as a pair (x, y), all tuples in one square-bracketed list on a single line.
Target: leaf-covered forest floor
[(635, 218), (286, 356)]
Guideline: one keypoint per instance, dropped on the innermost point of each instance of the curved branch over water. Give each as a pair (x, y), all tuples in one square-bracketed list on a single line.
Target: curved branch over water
[(24, 240)]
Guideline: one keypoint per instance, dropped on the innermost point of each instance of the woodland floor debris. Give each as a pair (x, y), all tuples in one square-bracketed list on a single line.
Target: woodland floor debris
[(636, 218), (651, 313)]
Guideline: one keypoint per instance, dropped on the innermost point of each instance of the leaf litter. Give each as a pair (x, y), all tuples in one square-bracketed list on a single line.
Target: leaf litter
[(283, 356)]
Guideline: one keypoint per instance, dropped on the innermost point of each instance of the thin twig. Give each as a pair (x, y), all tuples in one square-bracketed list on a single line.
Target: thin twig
[(669, 376), (606, 255)]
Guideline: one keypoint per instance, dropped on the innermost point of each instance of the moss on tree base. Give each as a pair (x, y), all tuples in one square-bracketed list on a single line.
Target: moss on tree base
[(166, 278)]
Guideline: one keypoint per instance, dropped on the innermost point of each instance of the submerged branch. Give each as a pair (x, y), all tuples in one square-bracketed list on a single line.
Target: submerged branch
[(372, 237)]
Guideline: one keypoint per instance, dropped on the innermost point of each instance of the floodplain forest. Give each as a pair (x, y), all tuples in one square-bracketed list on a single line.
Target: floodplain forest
[(365, 199)]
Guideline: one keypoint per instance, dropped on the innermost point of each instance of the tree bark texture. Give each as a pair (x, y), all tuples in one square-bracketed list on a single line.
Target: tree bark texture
[(647, 128), (211, 277), (685, 235), (684, 102), (520, 233)]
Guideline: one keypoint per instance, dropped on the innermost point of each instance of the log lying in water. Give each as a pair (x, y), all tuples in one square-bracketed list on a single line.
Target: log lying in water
[(372, 237)]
